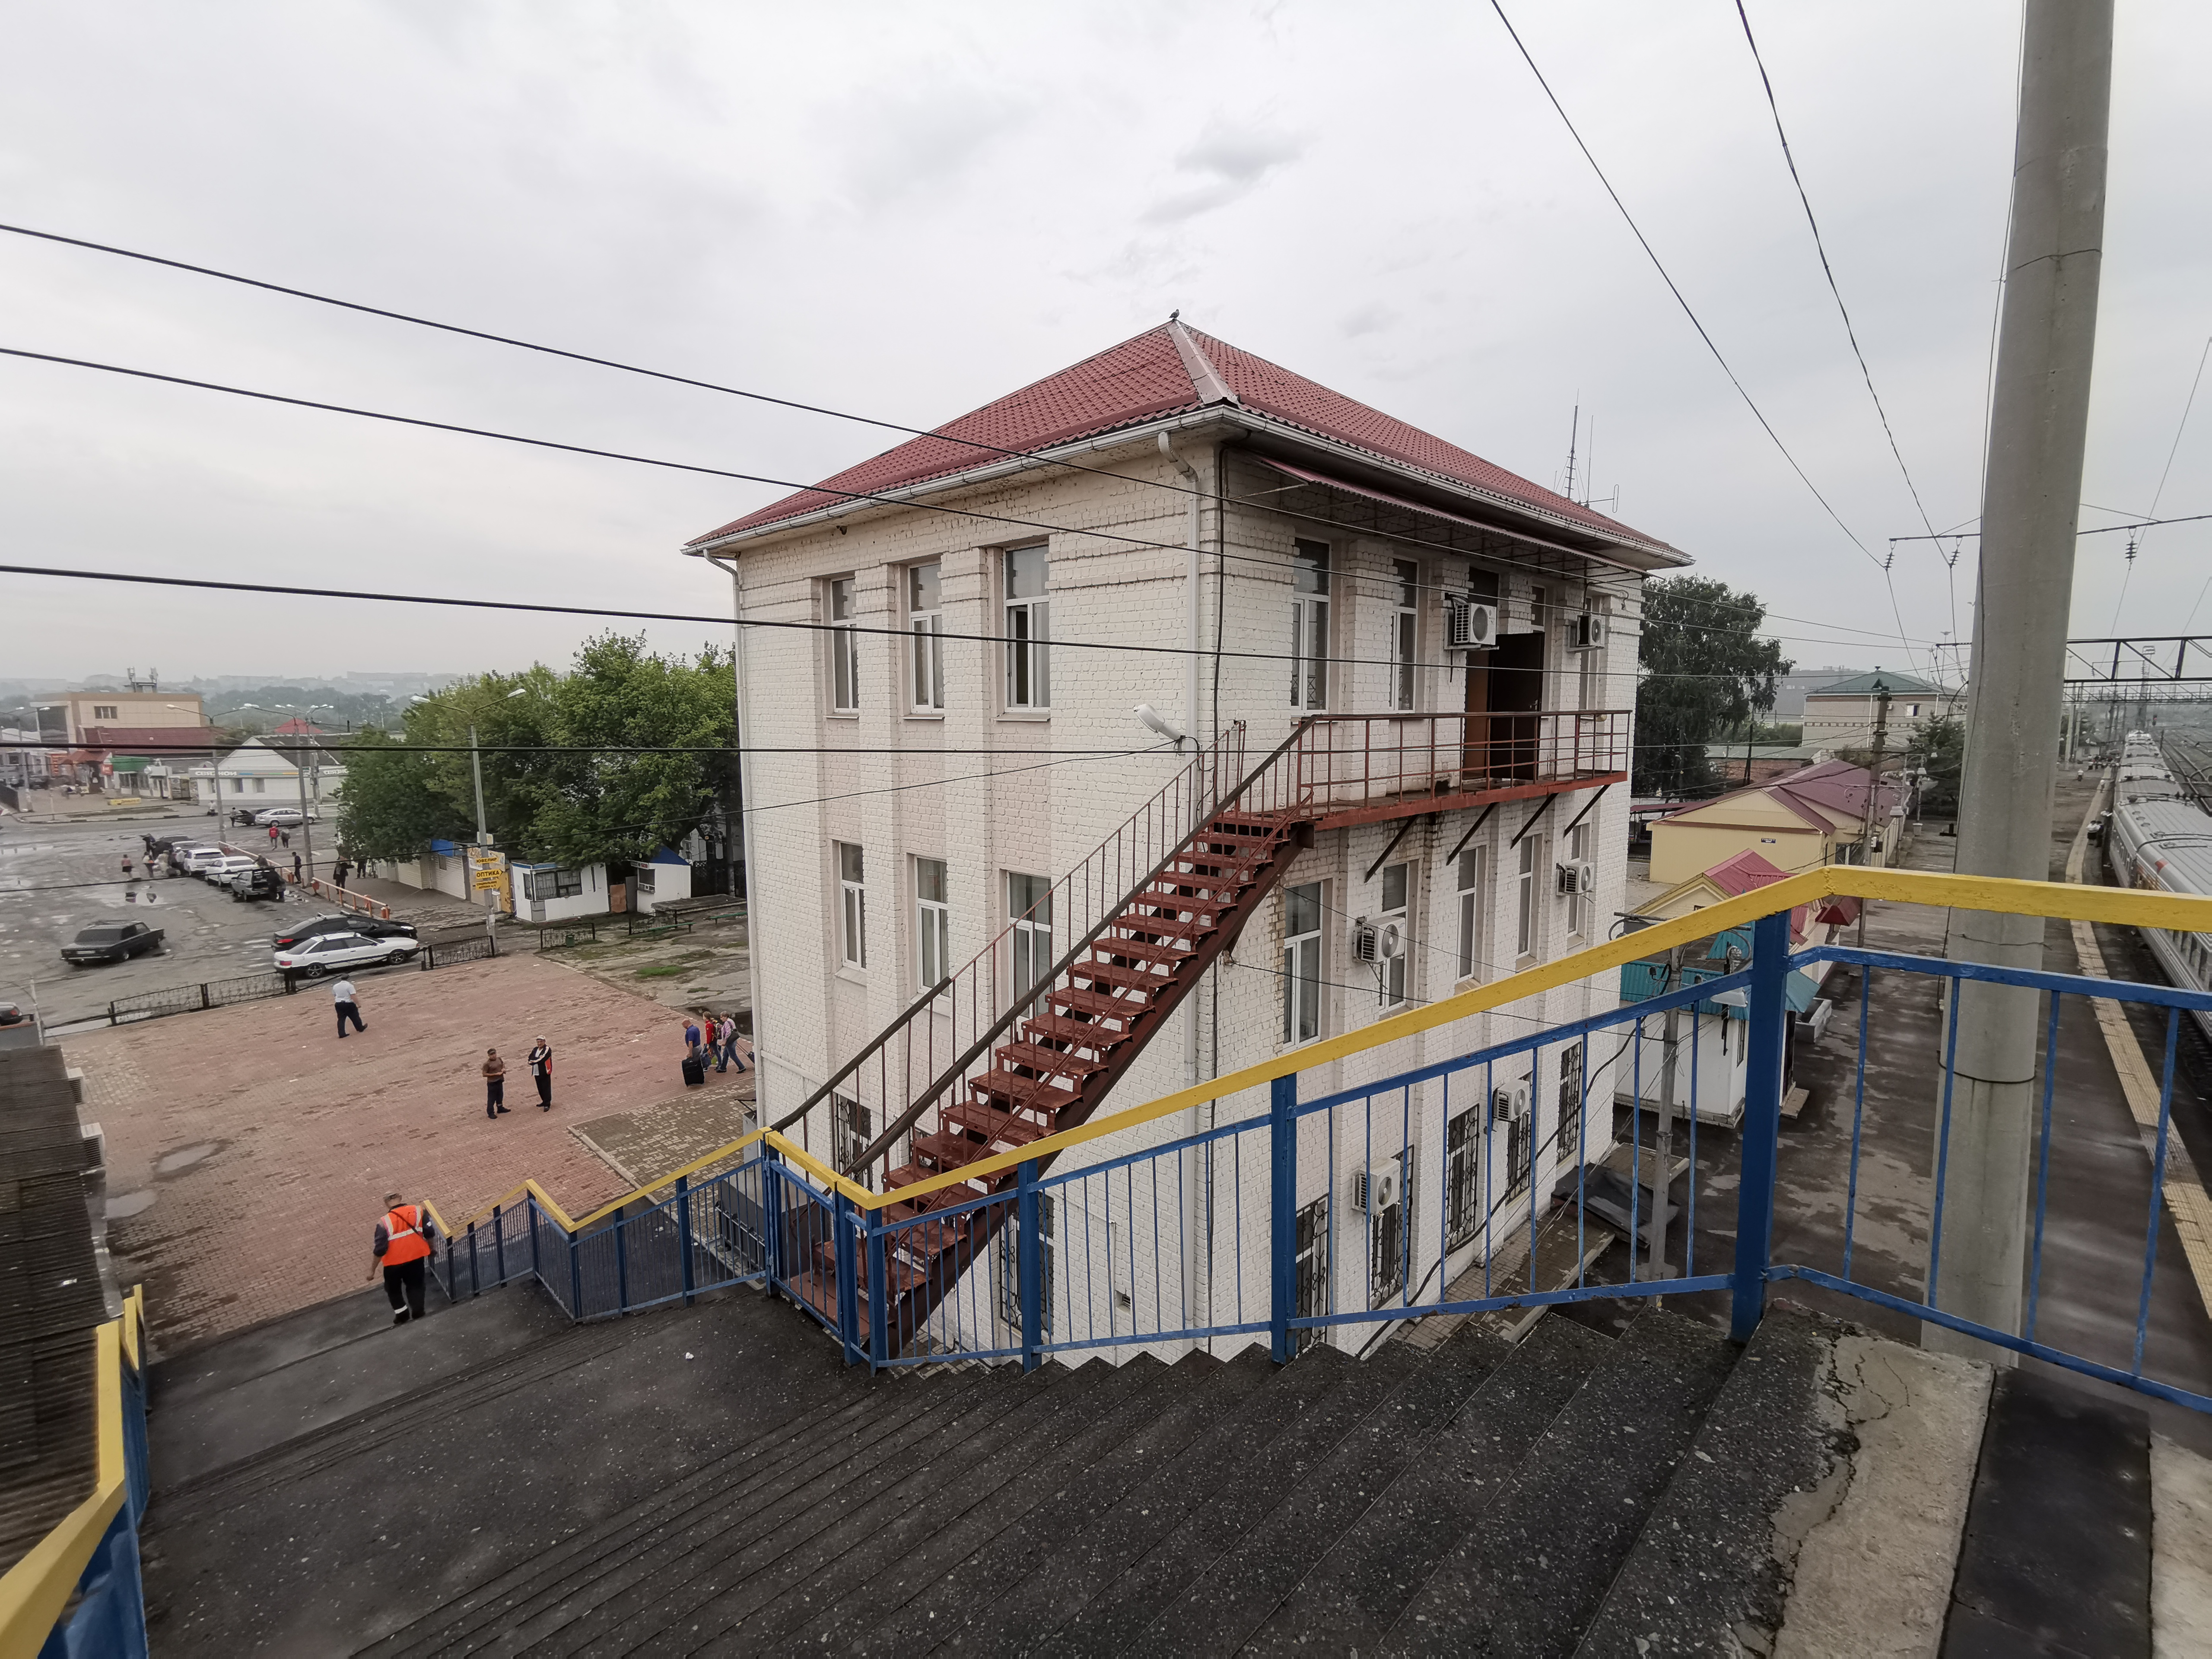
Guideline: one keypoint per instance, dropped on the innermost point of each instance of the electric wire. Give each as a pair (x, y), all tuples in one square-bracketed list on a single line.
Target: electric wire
[(1656, 264), (2164, 473)]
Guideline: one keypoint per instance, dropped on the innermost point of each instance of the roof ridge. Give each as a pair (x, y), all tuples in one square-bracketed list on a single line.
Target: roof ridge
[(1205, 378)]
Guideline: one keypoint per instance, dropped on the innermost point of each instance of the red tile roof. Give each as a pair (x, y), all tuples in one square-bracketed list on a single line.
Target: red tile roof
[(1740, 875), (1142, 379)]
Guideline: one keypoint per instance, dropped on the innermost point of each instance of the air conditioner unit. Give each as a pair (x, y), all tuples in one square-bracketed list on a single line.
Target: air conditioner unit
[(1586, 632), (1366, 944), (1509, 1105), (1390, 944), (1578, 877), (1373, 1190), (1470, 624)]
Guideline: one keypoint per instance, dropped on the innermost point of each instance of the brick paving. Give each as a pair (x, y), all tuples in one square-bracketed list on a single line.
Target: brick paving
[(268, 1146)]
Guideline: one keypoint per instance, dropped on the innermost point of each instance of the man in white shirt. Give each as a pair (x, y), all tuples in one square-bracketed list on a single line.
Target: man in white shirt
[(343, 993)]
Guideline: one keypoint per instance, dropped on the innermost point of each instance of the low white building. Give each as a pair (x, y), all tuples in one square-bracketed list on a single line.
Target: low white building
[(260, 773), (1410, 652)]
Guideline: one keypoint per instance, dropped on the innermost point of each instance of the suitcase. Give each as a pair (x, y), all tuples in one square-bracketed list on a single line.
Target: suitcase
[(694, 1071)]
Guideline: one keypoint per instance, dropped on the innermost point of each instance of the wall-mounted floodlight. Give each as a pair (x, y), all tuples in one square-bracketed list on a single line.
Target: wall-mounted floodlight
[(1152, 718)]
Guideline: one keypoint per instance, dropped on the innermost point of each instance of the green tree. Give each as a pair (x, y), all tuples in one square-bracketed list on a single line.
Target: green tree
[(386, 810), (1939, 748), (1705, 673)]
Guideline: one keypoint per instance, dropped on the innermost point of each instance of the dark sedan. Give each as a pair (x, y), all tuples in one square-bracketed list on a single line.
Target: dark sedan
[(367, 926), (112, 941)]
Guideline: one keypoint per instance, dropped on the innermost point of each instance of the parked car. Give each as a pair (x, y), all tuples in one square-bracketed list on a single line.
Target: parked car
[(227, 868), (284, 817), (367, 926), (259, 884), (196, 858), (112, 941), (326, 952), (11, 1013), (242, 814)]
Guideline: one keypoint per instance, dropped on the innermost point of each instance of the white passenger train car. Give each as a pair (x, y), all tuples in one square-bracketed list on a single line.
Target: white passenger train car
[(2158, 838)]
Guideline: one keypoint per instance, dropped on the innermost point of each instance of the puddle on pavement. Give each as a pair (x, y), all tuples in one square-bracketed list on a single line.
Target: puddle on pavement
[(185, 1157), (122, 1205)]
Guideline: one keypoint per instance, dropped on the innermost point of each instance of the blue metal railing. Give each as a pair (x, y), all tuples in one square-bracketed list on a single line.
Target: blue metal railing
[(1494, 1179)]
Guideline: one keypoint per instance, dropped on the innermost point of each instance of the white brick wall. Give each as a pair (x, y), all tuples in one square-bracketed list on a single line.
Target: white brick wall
[(890, 785)]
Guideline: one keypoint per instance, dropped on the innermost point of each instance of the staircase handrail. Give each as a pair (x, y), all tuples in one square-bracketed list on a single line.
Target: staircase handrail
[(1199, 763), (1018, 1008)]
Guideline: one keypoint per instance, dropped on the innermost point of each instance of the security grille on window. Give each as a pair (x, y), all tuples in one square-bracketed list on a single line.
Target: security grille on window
[(1029, 680), (923, 618), (1386, 1232), (1571, 1107), (1463, 1205), (844, 648), (1301, 963), (1404, 628), (1029, 908), (1473, 916), (1582, 904), (1513, 1114), (1312, 1274), (1527, 913), (1309, 626), (851, 1129), (932, 922), (1393, 946), (1010, 1265), (852, 906)]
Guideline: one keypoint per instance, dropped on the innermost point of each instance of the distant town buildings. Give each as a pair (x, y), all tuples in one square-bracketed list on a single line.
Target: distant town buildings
[(1844, 714)]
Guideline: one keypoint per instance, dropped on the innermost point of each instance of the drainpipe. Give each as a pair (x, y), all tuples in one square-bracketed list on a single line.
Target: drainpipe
[(1203, 1194), (740, 665)]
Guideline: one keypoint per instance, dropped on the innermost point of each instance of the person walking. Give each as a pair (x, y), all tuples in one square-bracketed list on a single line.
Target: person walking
[(401, 1248), (348, 1008), (273, 833), (338, 874), (691, 1035), (495, 1076), (541, 1072), (295, 869)]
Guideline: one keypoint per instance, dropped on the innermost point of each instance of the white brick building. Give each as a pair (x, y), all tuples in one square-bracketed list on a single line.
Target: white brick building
[(1174, 490)]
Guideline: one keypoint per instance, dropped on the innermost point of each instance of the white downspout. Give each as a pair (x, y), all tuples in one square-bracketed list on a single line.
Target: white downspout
[(744, 710)]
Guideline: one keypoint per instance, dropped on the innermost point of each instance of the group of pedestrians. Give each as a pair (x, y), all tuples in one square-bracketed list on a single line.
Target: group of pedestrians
[(709, 1038), (539, 1059)]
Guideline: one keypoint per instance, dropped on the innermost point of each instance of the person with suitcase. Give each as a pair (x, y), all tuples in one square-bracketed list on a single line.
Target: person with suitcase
[(695, 1069)]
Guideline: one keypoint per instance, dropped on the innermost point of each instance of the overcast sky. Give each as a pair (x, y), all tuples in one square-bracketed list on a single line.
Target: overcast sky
[(907, 211)]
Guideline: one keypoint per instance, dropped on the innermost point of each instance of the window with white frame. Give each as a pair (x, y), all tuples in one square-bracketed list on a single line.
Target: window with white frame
[(1582, 903), (1309, 626), (933, 923), (844, 648), (104, 711), (1301, 912), (1591, 664), (1514, 1110), (1028, 908), (1389, 1227), (1528, 907), (1028, 629), (1463, 1200), (1404, 633), (1572, 1110), (852, 905), (926, 623), (1393, 945), (1473, 916), (1010, 1265), (261, 786)]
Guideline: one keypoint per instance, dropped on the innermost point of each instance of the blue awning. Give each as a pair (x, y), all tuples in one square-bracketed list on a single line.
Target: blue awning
[(1797, 987)]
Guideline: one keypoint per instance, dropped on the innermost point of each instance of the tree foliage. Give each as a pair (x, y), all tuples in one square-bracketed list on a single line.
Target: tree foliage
[(1939, 748), (1705, 673), (584, 785)]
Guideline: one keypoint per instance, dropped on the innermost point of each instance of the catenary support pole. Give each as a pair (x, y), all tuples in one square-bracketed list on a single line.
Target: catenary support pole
[(2038, 427)]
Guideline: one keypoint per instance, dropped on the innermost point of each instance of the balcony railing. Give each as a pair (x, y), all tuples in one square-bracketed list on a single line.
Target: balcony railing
[(1349, 768)]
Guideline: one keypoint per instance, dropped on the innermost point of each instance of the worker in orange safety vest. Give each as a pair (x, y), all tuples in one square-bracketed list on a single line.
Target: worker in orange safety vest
[(403, 1249)]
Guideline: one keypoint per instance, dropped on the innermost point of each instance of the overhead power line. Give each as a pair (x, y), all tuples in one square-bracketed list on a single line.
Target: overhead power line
[(1672, 288)]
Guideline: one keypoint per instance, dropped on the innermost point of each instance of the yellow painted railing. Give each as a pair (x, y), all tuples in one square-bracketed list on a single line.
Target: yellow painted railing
[(34, 1592), (2122, 907)]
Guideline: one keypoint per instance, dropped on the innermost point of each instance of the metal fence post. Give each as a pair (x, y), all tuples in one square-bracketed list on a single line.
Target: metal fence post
[(771, 1220), (683, 1232), (622, 1262), (1769, 1006), (1029, 1266), (205, 1003), (475, 1284), (847, 1260), (530, 1209), (498, 1244), (1282, 1212), (879, 1295), (575, 1279)]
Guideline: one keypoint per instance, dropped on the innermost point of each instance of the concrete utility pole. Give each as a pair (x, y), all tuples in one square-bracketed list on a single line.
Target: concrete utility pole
[(484, 838), (1874, 793), (2038, 427)]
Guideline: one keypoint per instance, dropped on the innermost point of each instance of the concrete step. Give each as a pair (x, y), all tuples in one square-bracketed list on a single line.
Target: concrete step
[(1529, 1577), (723, 1543), (1354, 1593), (1118, 1617), (931, 1599), (1219, 1611)]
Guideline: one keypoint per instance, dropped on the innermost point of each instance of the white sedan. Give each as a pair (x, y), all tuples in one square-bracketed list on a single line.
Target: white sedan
[(326, 953), (284, 817)]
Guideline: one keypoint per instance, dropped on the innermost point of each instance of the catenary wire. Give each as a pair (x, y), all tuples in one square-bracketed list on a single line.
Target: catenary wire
[(1496, 6)]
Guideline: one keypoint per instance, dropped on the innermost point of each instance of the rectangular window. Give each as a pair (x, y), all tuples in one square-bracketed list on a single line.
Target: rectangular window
[(1393, 945), (1313, 1299), (1387, 1231), (1463, 1205), (844, 648), (933, 923), (1309, 626), (852, 906), (1029, 680), (851, 1129), (926, 624), (1582, 906), (1029, 908), (1571, 1102), (103, 711), (1527, 910), (568, 884), (261, 786), (1473, 914), (1301, 963), (1514, 1116), (1010, 1266), (1404, 631)]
